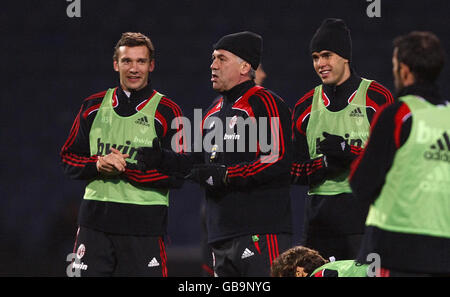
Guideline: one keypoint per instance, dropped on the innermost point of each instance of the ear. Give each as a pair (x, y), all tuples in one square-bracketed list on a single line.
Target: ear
[(151, 67), (116, 66), (406, 75), (245, 68), (404, 70)]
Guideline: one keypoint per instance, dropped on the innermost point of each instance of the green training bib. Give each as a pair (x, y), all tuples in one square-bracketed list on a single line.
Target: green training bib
[(125, 134), (415, 198), (351, 123)]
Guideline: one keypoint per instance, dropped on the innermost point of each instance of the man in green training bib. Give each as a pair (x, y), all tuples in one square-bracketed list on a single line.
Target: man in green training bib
[(123, 215), (405, 170), (330, 127)]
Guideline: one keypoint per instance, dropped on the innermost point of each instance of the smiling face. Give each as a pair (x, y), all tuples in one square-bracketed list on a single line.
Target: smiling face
[(134, 66), (330, 67)]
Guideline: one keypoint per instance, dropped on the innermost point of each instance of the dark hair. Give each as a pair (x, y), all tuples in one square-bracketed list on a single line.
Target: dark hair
[(132, 39), (422, 53), (286, 264)]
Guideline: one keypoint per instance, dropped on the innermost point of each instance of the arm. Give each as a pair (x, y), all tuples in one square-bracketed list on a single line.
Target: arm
[(304, 170), (377, 96), (76, 159), (166, 112), (390, 129), (270, 166)]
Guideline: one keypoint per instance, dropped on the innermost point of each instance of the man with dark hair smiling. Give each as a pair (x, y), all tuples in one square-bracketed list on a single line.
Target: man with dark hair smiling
[(331, 124), (124, 212)]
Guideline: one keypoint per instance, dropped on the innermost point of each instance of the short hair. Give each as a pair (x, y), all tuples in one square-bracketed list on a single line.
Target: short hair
[(286, 264), (252, 72), (422, 52), (132, 39)]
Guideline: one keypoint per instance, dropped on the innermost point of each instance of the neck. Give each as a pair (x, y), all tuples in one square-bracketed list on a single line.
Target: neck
[(142, 93), (427, 90), (346, 76), (339, 94), (238, 90)]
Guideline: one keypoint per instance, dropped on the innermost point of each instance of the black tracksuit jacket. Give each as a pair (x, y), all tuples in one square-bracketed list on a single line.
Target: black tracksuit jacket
[(256, 199)]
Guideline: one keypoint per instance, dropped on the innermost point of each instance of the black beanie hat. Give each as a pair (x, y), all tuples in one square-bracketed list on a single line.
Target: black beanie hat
[(246, 45), (333, 35)]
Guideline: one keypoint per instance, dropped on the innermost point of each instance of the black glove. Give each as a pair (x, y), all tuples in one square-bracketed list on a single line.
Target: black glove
[(149, 157), (334, 167), (209, 175), (335, 147)]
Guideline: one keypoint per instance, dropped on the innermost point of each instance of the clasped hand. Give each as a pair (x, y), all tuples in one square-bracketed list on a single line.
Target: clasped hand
[(113, 163)]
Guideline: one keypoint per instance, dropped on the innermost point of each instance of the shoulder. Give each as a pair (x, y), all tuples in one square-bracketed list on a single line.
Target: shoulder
[(94, 97), (269, 101), (379, 94), (168, 106), (268, 96), (215, 105), (395, 117), (304, 102), (92, 103), (394, 111)]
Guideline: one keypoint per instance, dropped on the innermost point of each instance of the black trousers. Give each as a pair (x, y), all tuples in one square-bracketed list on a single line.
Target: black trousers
[(103, 254), (248, 256)]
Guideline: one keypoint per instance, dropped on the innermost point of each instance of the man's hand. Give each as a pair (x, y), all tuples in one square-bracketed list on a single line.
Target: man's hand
[(209, 175), (149, 157), (112, 164), (334, 146)]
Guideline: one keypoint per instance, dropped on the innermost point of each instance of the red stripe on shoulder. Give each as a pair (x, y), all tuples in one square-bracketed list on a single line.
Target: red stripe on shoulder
[(181, 145), (398, 122), (305, 97), (91, 109), (163, 122), (371, 103), (94, 107), (170, 103), (96, 95), (244, 105), (144, 103), (374, 86), (301, 118)]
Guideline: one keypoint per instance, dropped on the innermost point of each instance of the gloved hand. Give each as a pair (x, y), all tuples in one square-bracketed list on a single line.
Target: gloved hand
[(334, 167), (335, 147), (149, 157), (209, 175)]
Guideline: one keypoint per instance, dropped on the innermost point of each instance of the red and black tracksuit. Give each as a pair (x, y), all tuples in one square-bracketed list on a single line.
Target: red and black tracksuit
[(256, 199), (332, 224), (119, 219)]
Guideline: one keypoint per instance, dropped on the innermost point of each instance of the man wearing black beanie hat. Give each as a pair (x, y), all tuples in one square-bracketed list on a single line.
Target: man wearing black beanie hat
[(246, 172), (331, 124), (246, 45)]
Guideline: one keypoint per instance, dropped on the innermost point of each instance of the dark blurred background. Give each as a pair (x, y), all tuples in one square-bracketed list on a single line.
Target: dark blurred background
[(50, 62)]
